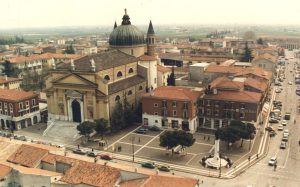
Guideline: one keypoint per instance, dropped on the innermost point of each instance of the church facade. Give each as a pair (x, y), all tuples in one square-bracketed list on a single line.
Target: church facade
[(89, 87)]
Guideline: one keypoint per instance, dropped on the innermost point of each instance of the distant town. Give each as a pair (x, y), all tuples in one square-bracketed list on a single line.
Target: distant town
[(154, 106)]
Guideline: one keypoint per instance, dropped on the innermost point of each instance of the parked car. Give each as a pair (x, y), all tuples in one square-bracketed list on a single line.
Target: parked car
[(273, 120), (283, 122), (272, 161), (23, 138), (272, 133), (154, 128), (91, 154), (105, 157), (269, 129), (149, 165), (290, 82), (280, 128), (285, 139), (286, 133), (141, 130), (78, 151), (164, 168), (277, 90), (287, 116), (282, 145)]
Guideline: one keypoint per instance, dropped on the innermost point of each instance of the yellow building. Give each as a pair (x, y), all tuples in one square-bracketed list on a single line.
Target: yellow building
[(89, 87)]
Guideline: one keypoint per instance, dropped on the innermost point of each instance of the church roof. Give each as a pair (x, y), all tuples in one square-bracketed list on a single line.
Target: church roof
[(103, 60), (150, 28), (123, 84)]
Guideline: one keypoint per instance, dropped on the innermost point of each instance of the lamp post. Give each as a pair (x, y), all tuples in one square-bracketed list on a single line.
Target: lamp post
[(220, 171), (132, 143)]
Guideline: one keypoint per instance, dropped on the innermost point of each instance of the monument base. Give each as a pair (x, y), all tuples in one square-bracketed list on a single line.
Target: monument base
[(216, 163)]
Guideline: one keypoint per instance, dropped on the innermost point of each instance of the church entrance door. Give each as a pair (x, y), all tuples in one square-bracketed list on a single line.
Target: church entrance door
[(76, 111)]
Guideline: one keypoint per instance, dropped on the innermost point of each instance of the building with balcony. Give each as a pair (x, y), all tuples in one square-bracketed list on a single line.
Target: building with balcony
[(171, 107), (9, 82), (18, 109)]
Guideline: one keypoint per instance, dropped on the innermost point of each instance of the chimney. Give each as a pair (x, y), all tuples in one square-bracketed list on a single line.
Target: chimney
[(72, 65), (93, 66)]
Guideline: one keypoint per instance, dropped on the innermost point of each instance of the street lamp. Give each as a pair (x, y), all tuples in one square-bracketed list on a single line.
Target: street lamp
[(220, 164), (132, 143)]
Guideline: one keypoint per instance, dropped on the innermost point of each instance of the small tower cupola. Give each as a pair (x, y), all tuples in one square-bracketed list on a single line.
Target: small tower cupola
[(151, 40), (126, 18)]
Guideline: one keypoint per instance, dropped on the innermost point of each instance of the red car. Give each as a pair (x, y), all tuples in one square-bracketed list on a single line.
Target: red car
[(105, 157)]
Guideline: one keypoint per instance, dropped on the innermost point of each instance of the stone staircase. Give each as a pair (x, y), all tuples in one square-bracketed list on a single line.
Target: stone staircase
[(62, 130)]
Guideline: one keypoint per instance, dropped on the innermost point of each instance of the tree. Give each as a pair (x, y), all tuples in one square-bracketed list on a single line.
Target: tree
[(249, 35), (85, 128), (185, 139), (101, 126), (228, 134), (171, 78), (128, 112), (247, 55), (8, 68), (117, 117), (171, 139), (139, 112), (260, 41), (70, 49), (168, 140)]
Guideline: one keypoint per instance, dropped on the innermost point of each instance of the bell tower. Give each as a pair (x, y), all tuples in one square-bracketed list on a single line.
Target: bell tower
[(151, 40)]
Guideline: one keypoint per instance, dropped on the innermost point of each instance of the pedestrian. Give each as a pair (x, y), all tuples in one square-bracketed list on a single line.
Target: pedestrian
[(139, 139), (249, 158), (78, 146), (92, 149), (208, 138), (95, 159), (257, 156), (275, 166), (203, 137)]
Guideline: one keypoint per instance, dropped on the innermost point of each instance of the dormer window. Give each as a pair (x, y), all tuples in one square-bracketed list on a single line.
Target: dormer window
[(119, 74), (130, 71), (106, 77)]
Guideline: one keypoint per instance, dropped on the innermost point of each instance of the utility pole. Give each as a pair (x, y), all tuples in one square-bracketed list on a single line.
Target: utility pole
[(132, 143), (220, 172)]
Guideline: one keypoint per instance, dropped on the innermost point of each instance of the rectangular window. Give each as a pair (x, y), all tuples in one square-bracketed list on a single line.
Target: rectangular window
[(174, 112), (155, 105), (208, 102), (33, 102), (216, 112), (156, 113), (1, 111), (243, 106), (0, 105), (242, 115), (208, 112), (5, 105), (185, 114), (21, 105), (164, 103), (164, 112), (174, 103), (185, 105), (27, 104), (217, 103)]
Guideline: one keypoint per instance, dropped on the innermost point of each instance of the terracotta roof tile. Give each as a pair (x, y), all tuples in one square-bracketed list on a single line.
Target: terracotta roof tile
[(156, 180), (163, 69), (147, 58), (174, 93), (262, 86), (223, 69), (9, 79), (15, 95), (28, 156), (241, 96), (4, 170), (267, 56)]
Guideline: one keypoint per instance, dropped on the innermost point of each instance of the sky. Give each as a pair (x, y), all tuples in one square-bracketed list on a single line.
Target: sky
[(51, 13)]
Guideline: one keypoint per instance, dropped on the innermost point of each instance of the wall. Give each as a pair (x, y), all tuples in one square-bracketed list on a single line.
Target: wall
[(136, 51)]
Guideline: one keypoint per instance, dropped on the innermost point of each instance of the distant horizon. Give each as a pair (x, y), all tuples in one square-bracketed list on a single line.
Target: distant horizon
[(19, 14)]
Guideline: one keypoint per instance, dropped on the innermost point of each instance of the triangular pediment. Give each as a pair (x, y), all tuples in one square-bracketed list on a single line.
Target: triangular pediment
[(74, 79)]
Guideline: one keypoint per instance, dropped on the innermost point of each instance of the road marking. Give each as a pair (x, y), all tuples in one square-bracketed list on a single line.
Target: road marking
[(149, 142), (190, 160), (203, 143), (213, 147), (113, 144)]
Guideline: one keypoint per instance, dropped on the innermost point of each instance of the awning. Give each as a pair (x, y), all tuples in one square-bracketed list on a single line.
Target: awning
[(265, 109)]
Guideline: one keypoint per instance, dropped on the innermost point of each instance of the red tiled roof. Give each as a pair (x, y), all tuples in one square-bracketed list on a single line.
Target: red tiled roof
[(28, 156), (4, 170), (257, 71), (224, 82), (15, 95), (147, 58), (174, 93), (223, 69), (262, 86), (21, 59), (267, 56), (241, 96), (156, 180), (9, 79), (163, 69)]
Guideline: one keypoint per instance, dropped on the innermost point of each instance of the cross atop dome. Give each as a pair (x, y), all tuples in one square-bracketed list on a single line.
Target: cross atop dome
[(126, 18)]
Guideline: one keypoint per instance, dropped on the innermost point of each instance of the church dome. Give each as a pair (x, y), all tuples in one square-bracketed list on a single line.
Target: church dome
[(126, 34)]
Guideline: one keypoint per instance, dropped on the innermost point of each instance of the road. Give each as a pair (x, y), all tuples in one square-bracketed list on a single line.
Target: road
[(288, 170)]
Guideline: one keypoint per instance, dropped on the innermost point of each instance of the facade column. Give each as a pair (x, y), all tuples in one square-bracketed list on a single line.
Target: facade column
[(65, 108), (212, 123), (70, 113), (55, 104), (84, 107), (81, 110), (220, 123)]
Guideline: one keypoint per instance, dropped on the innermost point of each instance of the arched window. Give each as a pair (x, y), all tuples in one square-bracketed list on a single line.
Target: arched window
[(119, 74), (130, 70), (106, 77), (141, 87), (129, 92), (117, 98)]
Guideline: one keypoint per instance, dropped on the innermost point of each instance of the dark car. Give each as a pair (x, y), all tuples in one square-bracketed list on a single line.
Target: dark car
[(273, 120), (269, 129), (78, 151), (287, 116), (282, 145), (105, 157), (272, 133), (141, 130), (164, 168), (149, 165), (91, 154), (154, 128)]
